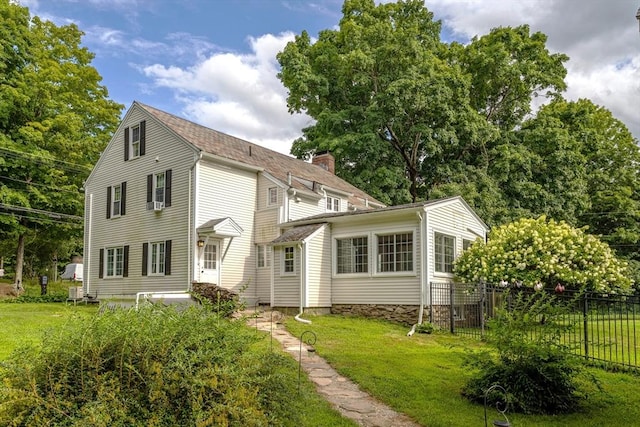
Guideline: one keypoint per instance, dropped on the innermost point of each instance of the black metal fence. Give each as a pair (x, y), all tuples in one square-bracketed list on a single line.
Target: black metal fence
[(601, 328)]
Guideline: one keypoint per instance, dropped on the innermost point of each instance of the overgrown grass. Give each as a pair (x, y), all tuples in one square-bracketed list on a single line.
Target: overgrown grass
[(153, 367), (422, 376)]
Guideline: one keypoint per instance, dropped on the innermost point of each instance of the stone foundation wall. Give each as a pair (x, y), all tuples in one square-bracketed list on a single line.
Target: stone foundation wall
[(406, 314)]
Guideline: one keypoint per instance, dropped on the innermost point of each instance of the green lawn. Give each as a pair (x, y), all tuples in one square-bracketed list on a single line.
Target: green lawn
[(26, 323), (422, 375)]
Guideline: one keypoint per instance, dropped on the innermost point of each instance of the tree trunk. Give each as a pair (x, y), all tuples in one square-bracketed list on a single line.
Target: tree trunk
[(19, 263)]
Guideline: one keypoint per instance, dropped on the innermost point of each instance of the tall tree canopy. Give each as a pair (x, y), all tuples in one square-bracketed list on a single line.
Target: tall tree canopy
[(55, 119), (409, 117), (381, 82)]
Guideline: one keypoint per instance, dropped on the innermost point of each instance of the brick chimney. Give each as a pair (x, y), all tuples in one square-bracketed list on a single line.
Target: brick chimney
[(325, 160)]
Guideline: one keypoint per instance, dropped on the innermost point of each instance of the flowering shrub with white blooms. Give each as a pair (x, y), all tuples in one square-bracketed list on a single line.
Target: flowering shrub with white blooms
[(541, 251)]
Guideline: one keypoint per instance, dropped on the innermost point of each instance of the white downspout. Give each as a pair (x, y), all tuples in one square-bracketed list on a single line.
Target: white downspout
[(87, 251), (423, 265), (303, 273), (192, 200)]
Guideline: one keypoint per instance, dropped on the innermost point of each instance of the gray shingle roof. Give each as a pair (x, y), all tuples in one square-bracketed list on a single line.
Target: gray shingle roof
[(297, 234), (276, 164)]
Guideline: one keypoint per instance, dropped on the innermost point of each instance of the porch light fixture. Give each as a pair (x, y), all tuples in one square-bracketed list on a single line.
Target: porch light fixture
[(201, 243)]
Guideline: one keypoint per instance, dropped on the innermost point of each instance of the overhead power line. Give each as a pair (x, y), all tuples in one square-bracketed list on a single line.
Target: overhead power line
[(73, 167), (50, 214), (53, 187)]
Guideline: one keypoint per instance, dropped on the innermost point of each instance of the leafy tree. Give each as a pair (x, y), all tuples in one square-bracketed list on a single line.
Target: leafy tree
[(509, 67), (543, 251), (55, 118), (381, 80)]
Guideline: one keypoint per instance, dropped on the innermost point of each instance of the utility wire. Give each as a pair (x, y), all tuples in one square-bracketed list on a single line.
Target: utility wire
[(38, 184), (41, 220), (50, 214), (45, 160)]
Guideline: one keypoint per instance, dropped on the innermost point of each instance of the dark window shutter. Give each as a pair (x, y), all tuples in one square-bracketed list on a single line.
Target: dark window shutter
[(167, 257), (145, 258), (167, 187), (101, 265), (143, 137), (108, 202), (125, 262), (126, 144), (149, 188), (123, 198)]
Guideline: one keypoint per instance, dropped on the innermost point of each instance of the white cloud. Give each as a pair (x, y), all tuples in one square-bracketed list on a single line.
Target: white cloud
[(239, 94), (597, 36)]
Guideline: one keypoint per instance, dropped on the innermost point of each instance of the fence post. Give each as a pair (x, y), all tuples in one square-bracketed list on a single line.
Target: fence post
[(585, 324), (431, 319), (451, 305), (483, 306)]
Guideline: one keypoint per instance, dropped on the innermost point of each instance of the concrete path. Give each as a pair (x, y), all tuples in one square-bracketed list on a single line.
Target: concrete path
[(344, 395)]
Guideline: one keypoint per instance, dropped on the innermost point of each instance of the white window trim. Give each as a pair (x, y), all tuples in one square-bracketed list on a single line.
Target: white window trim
[(156, 188), (106, 262), (160, 261), (269, 202), (131, 142), (263, 255), (113, 194), (335, 255), (388, 232), (283, 262), (455, 252), (330, 204)]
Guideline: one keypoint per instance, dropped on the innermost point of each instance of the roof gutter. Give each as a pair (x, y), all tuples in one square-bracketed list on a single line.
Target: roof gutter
[(303, 273)]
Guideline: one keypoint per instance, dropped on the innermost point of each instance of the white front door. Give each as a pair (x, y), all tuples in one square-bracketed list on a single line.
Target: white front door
[(210, 263)]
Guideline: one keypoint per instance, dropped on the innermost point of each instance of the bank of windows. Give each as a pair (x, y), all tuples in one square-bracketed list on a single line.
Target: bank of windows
[(263, 256), (288, 260), (444, 252), (394, 253), (333, 204)]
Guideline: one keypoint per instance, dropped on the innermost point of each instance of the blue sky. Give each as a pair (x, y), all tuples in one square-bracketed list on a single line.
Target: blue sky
[(213, 61)]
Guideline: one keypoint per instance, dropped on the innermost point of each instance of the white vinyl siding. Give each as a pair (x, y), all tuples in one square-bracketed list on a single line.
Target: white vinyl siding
[(223, 192), (318, 272), (139, 225), (287, 289)]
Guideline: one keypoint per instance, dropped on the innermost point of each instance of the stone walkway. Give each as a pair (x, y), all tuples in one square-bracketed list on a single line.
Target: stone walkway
[(344, 395)]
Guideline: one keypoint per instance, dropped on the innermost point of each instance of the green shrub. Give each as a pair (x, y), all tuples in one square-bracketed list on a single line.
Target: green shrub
[(156, 366), (538, 371)]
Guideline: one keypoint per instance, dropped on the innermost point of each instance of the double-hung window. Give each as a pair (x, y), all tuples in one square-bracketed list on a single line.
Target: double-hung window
[(352, 255), (114, 262), (444, 252), (157, 258), (272, 196), (116, 200), (134, 141), (263, 256), (333, 204), (288, 259), (159, 190), (395, 252)]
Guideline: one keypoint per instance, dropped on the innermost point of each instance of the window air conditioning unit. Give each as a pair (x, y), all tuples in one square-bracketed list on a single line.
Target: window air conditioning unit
[(158, 206)]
